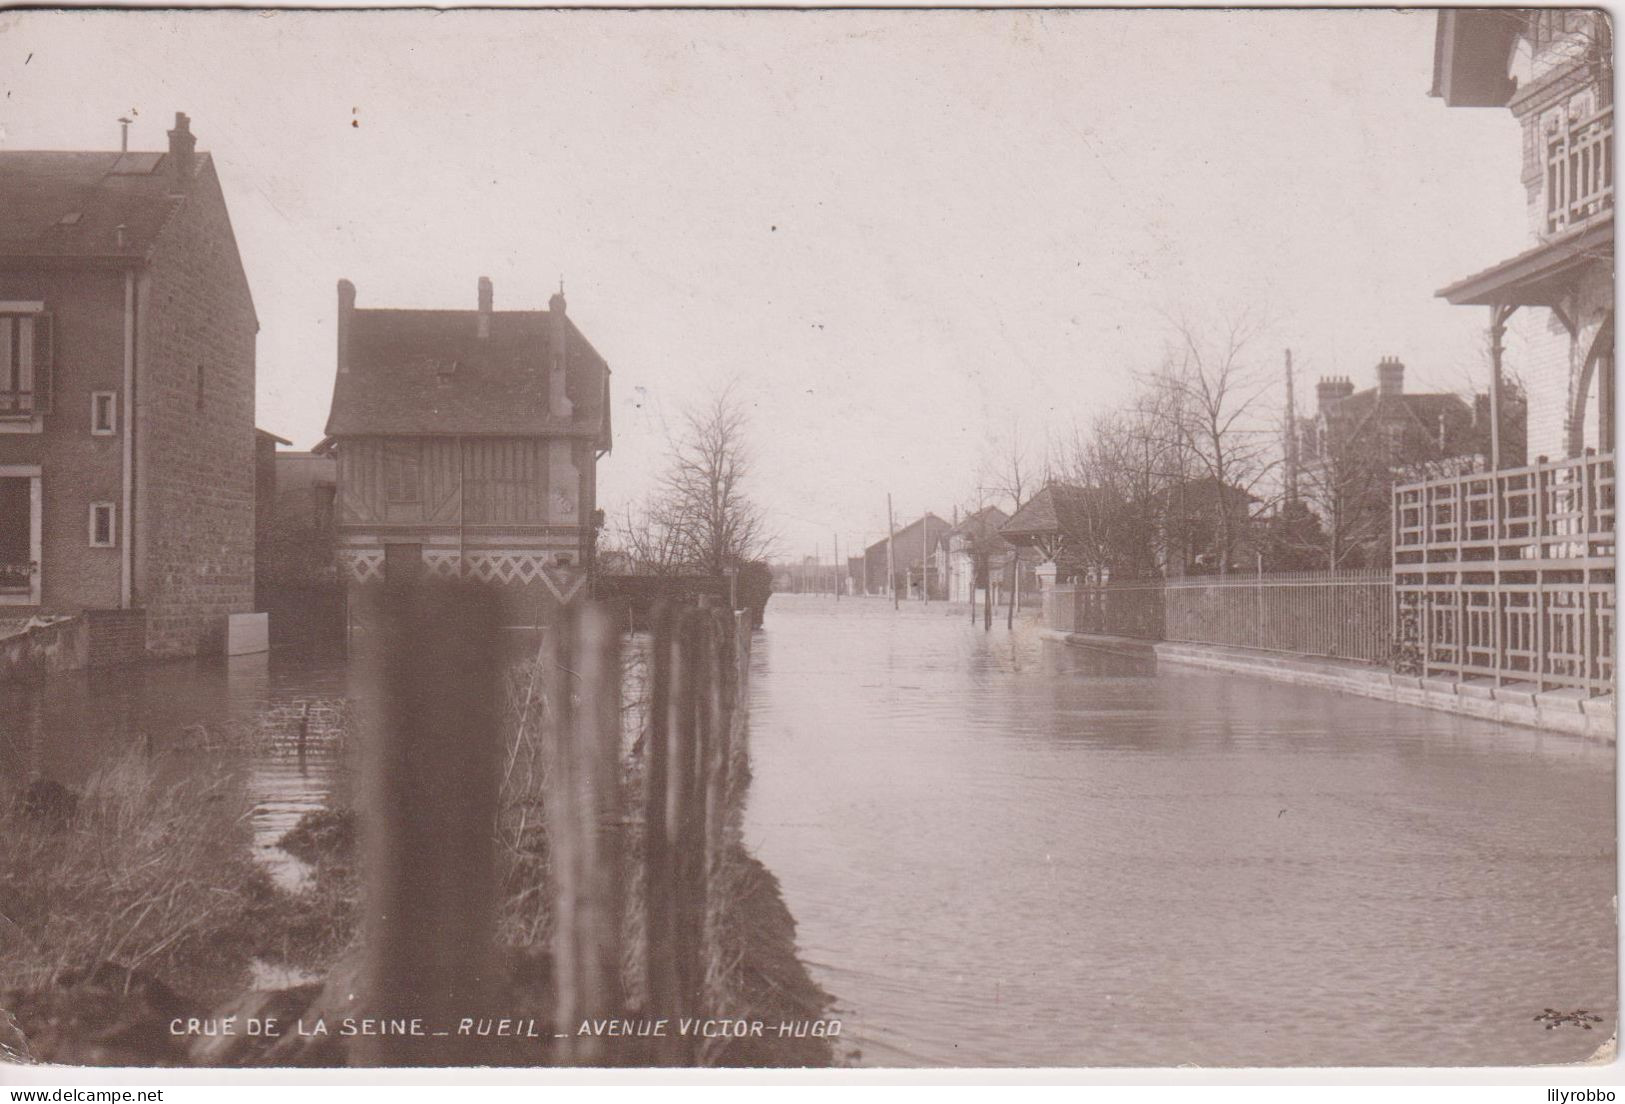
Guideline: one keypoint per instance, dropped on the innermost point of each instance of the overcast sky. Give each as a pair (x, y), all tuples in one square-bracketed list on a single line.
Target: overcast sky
[(904, 234)]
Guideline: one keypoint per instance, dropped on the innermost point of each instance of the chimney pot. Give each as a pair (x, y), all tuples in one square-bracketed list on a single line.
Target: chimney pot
[(346, 307), (182, 143), (485, 308), (1390, 377)]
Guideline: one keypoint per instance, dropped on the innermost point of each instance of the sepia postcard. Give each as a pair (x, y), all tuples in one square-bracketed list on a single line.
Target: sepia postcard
[(945, 539)]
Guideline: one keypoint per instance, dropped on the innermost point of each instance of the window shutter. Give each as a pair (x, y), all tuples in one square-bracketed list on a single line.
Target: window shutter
[(44, 361)]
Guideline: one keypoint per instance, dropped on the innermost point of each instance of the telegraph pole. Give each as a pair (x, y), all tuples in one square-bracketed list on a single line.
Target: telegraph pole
[(838, 580), (891, 554), (925, 560)]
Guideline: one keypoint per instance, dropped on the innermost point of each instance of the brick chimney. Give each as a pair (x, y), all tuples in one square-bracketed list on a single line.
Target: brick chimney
[(1330, 390), (1390, 377), (558, 400), (181, 145), (484, 326), (346, 308)]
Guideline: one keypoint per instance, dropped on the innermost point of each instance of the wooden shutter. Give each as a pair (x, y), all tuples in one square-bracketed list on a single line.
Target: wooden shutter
[(44, 361)]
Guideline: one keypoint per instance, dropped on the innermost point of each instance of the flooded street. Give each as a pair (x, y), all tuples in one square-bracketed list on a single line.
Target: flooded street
[(1003, 851)]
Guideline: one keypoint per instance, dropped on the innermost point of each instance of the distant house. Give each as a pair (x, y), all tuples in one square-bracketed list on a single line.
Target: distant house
[(1192, 516), (910, 559), (1345, 458), (294, 543), (468, 443), (962, 568), (127, 336), (1398, 427), (1062, 524)]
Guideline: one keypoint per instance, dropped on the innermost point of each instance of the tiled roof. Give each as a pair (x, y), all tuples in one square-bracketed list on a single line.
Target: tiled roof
[(428, 372), (71, 204)]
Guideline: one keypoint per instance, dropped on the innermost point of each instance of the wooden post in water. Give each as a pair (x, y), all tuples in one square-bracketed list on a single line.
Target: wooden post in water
[(685, 825), (581, 674), (659, 873), (430, 793)]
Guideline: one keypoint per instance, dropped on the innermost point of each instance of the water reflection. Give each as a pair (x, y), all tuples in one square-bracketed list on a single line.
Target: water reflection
[(278, 722), (1001, 851)]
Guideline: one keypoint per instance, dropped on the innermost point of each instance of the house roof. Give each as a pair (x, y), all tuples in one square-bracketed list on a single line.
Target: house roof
[(1048, 512), (427, 372), (907, 541), (71, 203), (983, 524), (1471, 52), (1538, 276)]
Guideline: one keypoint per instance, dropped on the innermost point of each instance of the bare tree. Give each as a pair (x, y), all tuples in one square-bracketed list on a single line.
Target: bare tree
[(715, 525), (1010, 471), (648, 536), (1215, 401)]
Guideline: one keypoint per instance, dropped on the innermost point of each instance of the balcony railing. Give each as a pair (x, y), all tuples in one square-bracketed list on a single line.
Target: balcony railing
[(16, 578), (1580, 171), (16, 403), (1509, 575)]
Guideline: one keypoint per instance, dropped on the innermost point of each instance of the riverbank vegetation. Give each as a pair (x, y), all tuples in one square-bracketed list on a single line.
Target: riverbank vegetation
[(139, 896)]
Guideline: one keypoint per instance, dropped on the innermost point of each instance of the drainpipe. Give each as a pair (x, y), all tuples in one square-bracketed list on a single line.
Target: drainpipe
[(127, 425)]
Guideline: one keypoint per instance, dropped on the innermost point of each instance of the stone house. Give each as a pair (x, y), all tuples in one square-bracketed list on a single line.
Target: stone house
[(127, 336), (467, 444), (1551, 307)]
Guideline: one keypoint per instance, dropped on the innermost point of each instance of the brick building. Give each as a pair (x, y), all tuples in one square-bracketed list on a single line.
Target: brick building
[(127, 338), (1554, 69), (468, 443)]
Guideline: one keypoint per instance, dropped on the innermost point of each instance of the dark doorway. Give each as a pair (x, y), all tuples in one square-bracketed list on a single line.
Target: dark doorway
[(16, 535)]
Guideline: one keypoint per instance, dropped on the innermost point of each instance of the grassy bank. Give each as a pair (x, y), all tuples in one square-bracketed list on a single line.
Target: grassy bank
[(140, 898)]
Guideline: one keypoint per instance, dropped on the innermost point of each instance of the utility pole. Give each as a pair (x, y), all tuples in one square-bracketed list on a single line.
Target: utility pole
[(1291, 442), (891, 554), (925, 560), (838, 580)]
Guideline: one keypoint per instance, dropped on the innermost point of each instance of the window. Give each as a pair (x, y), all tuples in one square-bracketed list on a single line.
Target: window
[(102, 534), (401, 473), (103, 413), (25, 360)]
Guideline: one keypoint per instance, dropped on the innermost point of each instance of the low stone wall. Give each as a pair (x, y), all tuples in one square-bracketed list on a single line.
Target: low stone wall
[(43, 650), (1524, 704)]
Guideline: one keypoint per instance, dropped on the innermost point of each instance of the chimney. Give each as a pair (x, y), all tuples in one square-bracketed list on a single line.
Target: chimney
[(1330, 390), (181, 145), (558, 401), (484, 327), (1390, 377), (346, 308)]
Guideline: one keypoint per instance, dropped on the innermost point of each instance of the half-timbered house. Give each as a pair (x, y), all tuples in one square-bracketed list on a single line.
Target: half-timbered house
[(467, 445)]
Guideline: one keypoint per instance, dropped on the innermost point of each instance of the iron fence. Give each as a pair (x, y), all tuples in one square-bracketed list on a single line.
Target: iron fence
[(1344, 615)]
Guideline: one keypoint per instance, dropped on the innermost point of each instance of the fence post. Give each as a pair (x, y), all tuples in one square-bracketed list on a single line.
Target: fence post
[(431, 791), (659, 875), (581, 658)]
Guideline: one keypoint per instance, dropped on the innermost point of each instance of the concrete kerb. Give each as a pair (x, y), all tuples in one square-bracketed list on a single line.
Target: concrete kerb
[(1524, 704)]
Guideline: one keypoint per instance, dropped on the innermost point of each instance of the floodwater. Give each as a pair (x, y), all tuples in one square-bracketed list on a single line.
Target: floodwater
[(1002, 851), (240, 717)]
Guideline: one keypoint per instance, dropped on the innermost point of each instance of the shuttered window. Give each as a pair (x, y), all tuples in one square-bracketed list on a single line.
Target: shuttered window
[(25, 363)]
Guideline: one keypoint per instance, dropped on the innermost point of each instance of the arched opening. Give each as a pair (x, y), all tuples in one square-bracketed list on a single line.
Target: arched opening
[(1598, 368)]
